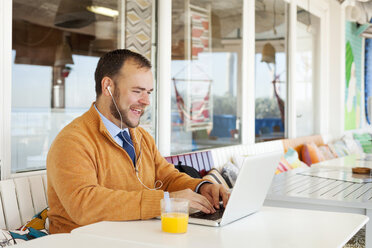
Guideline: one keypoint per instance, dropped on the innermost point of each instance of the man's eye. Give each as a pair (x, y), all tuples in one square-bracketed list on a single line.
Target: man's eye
[(136, 91), (149, 92)]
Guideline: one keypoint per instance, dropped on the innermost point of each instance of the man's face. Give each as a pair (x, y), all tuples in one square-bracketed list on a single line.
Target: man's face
[(133, 87)]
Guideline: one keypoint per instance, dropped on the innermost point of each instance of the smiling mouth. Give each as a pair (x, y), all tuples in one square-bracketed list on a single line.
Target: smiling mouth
[(137, 111)]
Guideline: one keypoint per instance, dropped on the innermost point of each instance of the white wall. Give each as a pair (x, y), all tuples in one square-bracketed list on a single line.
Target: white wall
[(336, 97)]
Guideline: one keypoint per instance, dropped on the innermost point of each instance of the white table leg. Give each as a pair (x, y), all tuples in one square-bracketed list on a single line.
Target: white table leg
[(369, 229)]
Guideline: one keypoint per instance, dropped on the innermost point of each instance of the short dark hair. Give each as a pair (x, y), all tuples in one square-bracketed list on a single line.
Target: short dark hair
[(110, 64)]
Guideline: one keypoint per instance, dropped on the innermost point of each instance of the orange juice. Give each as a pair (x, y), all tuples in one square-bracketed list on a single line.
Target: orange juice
[(174, 222)]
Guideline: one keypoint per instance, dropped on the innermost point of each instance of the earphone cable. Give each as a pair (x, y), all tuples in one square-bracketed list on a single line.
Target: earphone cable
[(140, 146)]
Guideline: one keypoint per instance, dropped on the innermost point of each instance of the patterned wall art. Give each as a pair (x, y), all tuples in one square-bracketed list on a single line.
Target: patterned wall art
[(368, 80), (353, 79), (200, 33), (138, 26)]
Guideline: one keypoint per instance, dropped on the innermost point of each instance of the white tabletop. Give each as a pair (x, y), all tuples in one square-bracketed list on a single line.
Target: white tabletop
[(355, 160), (270, 227), (293, 186), (293, 189), (67, 240)]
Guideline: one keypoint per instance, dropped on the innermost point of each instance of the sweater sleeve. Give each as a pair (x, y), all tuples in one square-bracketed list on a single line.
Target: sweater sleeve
[(74, 191)]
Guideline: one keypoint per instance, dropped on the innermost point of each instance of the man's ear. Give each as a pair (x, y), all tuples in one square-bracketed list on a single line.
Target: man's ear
[(107, 85)]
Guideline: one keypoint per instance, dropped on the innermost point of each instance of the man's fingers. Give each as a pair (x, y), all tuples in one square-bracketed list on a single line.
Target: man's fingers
[(197, 205), (209, 198), (196, 200), (216, 196), (202, 200), (225, 196), (214, 192)]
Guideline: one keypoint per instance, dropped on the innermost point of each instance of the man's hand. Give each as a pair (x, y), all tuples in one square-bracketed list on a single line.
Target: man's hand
[(196, 200), (213, 192)]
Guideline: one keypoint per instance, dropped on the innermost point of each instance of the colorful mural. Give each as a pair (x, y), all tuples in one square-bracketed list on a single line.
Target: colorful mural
[(353, 69), (368, 80)]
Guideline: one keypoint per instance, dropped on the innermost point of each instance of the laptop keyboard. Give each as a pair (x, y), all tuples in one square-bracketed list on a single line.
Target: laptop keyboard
[(215, 216)]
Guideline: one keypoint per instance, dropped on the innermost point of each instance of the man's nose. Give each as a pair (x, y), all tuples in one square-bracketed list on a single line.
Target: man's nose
[(145, 99)]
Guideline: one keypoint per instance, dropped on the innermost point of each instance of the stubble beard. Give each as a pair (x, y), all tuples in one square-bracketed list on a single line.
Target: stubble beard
[(124, 113)]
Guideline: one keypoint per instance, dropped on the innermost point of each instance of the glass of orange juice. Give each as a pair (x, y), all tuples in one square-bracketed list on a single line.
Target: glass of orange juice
[(174, 215)]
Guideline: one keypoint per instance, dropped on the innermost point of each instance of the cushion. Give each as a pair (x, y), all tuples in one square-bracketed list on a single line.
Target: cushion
[(298, 143), (311, 154), (215, 177), (326, 152), (16, 236), (230, 172), (353, 146), (37, 227), (339, 147), (365, 141), (40, 221), (283, 166), (289, 161)]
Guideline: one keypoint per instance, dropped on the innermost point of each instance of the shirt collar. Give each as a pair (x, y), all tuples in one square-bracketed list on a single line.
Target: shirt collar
[(110, 126)]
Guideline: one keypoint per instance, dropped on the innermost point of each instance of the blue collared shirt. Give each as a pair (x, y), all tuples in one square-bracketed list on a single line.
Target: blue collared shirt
[(115, 131), (112, 128)]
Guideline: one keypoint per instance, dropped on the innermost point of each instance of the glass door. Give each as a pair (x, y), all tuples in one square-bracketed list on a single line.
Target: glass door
[(307, 30)]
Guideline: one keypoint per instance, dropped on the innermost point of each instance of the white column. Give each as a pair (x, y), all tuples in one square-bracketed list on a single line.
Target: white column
[(121, 23), (323, 84), (164, 76), (248, 78), (291, 82), (342, 82), (336, 75), (5, 85)]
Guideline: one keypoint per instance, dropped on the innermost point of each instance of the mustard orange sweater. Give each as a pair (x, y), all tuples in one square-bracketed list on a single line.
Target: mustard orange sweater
[(91, 178)]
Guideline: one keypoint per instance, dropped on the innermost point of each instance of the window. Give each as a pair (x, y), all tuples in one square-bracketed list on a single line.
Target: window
[(56, 47), (307, 46), (206, 74), (271, 69)]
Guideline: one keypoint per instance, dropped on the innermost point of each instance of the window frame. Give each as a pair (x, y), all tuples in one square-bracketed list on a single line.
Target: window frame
[(6, 10), (318, 8), (5, 83)]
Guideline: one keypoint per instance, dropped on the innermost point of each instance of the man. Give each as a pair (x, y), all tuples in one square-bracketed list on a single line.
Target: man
[(102, 166)]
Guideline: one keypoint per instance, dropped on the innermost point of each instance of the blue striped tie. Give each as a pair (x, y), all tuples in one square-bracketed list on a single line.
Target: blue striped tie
[(128, 145)]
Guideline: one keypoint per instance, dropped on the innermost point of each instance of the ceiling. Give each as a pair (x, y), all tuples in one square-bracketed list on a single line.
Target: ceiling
[(36, 35), (43, 13), (34, 23)]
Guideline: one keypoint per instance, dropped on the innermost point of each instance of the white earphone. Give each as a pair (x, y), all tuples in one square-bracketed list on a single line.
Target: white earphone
[(108, 88), (139, 157)]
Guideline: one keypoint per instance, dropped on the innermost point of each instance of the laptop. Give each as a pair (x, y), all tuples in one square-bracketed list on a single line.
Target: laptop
[(248, 194)]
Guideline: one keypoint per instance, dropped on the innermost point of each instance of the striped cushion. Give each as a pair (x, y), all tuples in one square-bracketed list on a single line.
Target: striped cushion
[(289, 161), (326, 152), (352, 145), (215, 177), (230, 173), (339, 147), (283, 166), (311, 154), (365, 141)]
